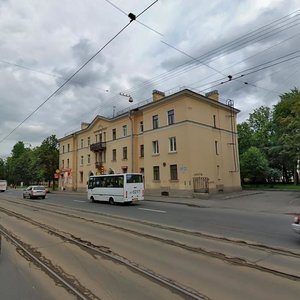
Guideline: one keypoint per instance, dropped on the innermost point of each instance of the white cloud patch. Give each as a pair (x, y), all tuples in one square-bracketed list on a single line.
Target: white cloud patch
[(44, 42)]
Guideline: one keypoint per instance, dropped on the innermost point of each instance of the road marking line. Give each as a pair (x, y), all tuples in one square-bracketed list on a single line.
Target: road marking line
[(79, 201), (154, 210)]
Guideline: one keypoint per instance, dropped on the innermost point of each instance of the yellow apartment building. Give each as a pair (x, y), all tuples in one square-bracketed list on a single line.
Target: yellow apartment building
[(184, 143)]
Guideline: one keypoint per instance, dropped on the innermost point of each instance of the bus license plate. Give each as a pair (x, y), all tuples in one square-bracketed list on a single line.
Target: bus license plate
[(134, 199)]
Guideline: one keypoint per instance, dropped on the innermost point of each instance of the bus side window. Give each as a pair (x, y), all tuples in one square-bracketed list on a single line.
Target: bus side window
[(109, 182), (97, 182), (120, 181), (101, 182)]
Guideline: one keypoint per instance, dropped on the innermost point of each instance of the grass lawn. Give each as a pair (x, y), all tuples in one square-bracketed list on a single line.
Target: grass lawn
[(275, 186)]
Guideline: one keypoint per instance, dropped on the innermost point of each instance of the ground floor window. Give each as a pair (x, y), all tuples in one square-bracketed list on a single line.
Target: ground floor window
[(173, 172), (156, 173)]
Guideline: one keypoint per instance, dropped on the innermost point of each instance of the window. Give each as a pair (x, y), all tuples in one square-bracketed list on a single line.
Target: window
[(114, 134), (68, 147), (81, 143), (214, 119), (171, 119), (155, 147), (141, 126), (156, 173), (89, 159), (133, 178), (173, 172), (155, 121), (89, 141), (125, 130), (81, 177), (114, 154), (81, 160), (68, 163), (141, 150), (216, 148), (124, 152), (63, 164), (63, 149), (172, 144)]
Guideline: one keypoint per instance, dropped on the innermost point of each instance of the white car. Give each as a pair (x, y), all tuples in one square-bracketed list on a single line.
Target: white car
[(296, 224), (35, 191)]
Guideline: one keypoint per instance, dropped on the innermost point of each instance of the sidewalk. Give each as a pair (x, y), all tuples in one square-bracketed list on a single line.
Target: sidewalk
[(278, 202)]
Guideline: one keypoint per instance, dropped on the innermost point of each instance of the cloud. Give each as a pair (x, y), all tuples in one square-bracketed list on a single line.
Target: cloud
[(43, 43)]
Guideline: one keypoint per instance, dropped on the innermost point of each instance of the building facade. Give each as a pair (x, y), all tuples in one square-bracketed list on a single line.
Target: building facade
[(183, 143)]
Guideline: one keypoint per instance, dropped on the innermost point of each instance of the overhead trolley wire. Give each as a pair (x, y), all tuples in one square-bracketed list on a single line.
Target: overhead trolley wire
[(255, 71), (256, 35), (132, 18), (124, 12)]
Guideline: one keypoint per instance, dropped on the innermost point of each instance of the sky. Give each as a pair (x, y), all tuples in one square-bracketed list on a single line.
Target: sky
[(174, 44)]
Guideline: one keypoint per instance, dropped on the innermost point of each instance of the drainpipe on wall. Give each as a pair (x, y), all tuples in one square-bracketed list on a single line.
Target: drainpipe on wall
[(132, 156)]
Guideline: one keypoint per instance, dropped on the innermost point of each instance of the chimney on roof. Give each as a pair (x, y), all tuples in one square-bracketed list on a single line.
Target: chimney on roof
[(157, 95), (214, 95), (84, 125)]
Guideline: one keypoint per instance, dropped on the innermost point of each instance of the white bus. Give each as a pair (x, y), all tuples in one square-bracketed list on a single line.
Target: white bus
[(3, 185), (116, 188)]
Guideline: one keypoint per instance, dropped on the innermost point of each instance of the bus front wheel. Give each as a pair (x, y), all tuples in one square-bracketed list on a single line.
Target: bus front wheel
[(111, 201)]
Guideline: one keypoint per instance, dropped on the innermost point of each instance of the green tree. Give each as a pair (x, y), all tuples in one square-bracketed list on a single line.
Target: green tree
[(48, 157), (286, 118), (2, 169), (245, 137), (24, 167), (261, 123), (253, 165)]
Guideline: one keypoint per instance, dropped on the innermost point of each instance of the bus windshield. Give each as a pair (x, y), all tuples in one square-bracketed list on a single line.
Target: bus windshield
[(134, 178)]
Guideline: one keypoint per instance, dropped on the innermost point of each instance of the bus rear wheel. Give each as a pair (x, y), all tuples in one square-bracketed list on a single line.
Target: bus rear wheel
[(111, 201)]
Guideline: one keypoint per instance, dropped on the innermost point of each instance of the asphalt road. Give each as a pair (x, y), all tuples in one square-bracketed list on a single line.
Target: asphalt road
[(260, 218), (260, 224)]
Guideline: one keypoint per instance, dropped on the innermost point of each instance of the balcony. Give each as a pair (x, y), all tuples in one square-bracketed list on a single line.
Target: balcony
[(98, 164), (96, 147)]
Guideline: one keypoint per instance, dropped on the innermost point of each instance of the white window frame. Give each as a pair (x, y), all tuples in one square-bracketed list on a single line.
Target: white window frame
[(155, 147), (172, 144), (125, 130), (169, 115), (155, 122), (125, 153), (142, 126)]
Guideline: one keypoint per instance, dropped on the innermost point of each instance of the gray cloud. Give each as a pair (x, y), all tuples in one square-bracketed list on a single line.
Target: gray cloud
[(43, 43)]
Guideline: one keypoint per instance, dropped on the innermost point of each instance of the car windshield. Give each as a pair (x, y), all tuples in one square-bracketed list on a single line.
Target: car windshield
[(38, 188)]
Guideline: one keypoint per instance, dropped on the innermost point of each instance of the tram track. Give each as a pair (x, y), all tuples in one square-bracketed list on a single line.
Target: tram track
[(128, 225), (59, 276), (56, 274), (166, 228), (235, 260)]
